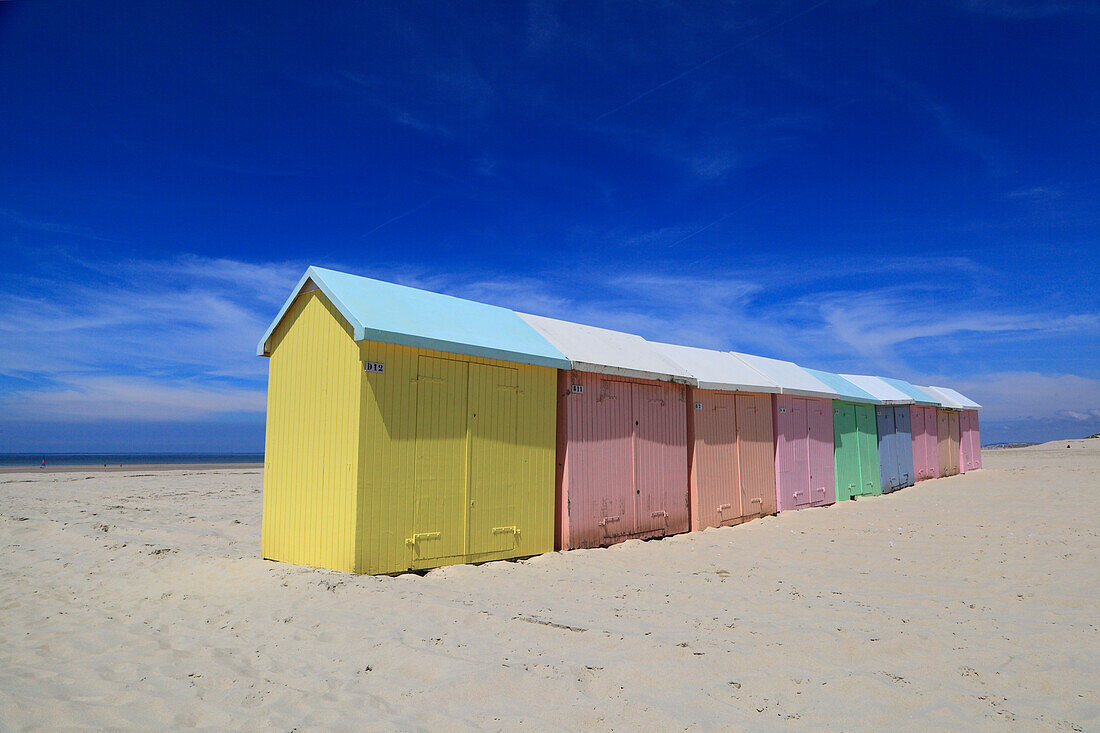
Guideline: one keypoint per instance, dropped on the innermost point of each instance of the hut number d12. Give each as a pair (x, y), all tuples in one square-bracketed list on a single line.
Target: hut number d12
[(374, 367)]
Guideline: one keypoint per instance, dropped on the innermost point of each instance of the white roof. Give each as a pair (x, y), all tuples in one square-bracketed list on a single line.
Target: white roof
[(889, 394), (961, 399), (603, 351), (791, 378), (718, 370), (946, 401)]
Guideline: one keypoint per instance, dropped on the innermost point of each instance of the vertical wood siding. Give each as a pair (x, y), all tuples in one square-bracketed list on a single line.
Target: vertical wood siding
[(625, 466), (970, 447), (904, 433), (311, 450), (869, 473), (975, 441), (887, 449), (756, 455), (846, 451), (732, 461), (439, 459), (457, 457), (925, 462), (804, 473), (715, 478), (953, 441), (947, 452)]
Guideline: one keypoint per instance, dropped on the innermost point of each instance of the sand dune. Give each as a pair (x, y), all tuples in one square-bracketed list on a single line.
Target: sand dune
[(137, 600)]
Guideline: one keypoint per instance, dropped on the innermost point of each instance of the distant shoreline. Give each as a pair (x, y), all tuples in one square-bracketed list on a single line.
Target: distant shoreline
[(128, 467), (26, 462)]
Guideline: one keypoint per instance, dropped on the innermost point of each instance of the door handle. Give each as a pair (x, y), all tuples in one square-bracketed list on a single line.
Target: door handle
[(423, 536)]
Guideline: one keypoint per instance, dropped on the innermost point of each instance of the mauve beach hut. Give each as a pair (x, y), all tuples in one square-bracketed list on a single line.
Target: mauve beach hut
[(855, 438), (731, 440), (970, 443), (803, 418), (895, 440), (405, 429), (922, 419), (622, 437)]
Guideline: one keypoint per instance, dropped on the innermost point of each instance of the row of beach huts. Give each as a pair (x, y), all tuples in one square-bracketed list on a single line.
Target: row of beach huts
[(408, 429)]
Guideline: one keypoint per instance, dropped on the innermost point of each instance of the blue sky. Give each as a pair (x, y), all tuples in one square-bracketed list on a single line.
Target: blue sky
[(910, 189)]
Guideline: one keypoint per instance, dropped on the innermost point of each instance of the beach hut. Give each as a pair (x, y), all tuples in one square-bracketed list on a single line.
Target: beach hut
[(895, 440), (855, 438), (949, 431), (803, 418), (405, 429), (622, 437), (970, 444), (729, 435), (922, 419)]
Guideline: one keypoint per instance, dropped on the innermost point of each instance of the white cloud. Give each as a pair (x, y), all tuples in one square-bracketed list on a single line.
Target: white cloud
[(1031, 395), (83, 399)]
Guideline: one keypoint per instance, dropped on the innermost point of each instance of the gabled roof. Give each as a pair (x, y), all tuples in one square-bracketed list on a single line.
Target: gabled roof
[(603, 351), (887, 393), (719, 370), (791, 378), (919, 396), (943, 400), (848, 391), (960, 398), (950, 399), (396, 314)]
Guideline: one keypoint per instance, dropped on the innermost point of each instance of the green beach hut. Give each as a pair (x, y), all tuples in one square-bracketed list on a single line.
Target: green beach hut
[(855, 439)]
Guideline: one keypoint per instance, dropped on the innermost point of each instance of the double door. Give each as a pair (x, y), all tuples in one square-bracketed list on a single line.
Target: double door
[(734, 472), (464, 492), (947, 438), (855, 450), (804, 470), (895, 449)]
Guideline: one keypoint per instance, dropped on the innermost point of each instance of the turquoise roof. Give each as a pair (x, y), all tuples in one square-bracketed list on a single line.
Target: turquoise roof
[(919, 395), (396, 314), (848, 392)]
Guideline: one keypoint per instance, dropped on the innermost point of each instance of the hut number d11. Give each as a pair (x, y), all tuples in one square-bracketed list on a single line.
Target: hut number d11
[(374, 367)]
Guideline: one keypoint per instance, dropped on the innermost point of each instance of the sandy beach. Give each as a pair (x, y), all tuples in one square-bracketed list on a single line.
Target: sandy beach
[(136, 599)]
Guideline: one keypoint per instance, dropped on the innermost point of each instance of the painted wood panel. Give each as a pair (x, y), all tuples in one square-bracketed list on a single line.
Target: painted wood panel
[(846, 451), (870, 478), (310, 462), (887, 449), (756, 455), (715, 476), (904, 437), (624, 460), (804, 473)]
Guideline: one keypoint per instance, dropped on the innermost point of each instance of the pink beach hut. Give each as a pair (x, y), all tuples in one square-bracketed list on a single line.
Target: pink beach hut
[(803, 418), (622, 456), (731, 438), (970, 444)]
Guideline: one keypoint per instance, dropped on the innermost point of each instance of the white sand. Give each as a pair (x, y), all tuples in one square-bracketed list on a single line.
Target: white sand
[(138, 601)]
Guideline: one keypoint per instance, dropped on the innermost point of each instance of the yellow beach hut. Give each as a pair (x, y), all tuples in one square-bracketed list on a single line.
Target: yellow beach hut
[(405, 429)]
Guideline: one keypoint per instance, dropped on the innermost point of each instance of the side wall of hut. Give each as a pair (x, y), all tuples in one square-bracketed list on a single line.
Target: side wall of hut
[(311, 453)]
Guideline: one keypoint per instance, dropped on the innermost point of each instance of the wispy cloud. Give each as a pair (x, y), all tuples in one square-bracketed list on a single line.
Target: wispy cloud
[(707, 62), (175, 339), (1030, 9), (1035, 193), (95, 398)]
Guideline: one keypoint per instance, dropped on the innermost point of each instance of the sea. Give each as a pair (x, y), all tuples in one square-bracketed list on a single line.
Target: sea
[(125, 459)]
